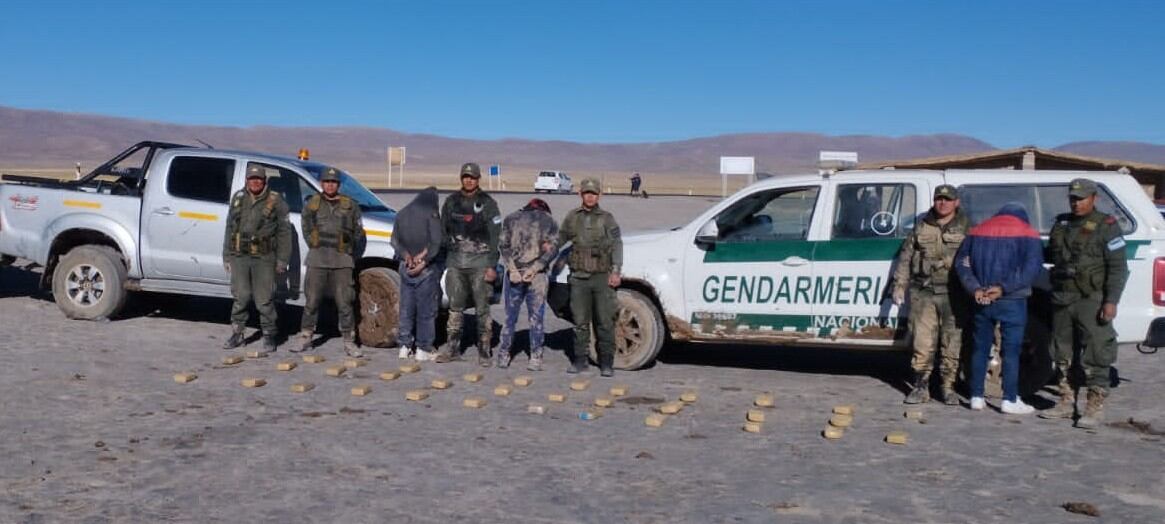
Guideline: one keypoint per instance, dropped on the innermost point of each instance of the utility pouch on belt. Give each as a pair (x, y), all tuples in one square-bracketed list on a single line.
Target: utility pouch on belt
[(590, 259), (251, 245)]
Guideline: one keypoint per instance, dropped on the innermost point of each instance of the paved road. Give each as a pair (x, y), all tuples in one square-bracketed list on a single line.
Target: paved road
[(94, 429)]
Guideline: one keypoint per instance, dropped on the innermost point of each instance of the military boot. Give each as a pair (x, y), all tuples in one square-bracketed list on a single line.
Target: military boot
[(950, 398), (350, 347), (269, 345), (451, 350), (305, 342), (578, 364), (1093, 415), (606, 365), (236, 339), (919, 389), (1066, 407)]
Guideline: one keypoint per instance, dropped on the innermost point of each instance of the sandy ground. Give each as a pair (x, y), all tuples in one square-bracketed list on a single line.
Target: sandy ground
[(93, 428)]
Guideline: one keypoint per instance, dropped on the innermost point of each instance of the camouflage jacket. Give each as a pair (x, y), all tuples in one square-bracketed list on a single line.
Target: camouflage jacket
[(529, 239), (472, 224), (926, 259), (258, 225), (1088, 257), (333, 230), (597, 242)]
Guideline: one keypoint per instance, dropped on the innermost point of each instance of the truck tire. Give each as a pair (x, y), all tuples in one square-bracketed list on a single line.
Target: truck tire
[(379, 319), (89, 283), (639, 331)]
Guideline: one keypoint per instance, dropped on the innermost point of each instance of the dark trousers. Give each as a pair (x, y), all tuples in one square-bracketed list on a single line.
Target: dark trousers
[(467, 287), (321, 282), (593, 301), (419, 297), (1079, 322), (1011, 315)]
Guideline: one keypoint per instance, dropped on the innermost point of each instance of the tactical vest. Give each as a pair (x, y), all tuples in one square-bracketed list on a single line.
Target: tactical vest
[(257, 242), (1077, 247), (336, 230), (591, 252), (466, 220), (934, 253)]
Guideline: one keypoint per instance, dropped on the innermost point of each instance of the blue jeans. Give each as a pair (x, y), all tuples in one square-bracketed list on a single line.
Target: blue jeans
[(533, 294), (1011, 315), (419, 298)]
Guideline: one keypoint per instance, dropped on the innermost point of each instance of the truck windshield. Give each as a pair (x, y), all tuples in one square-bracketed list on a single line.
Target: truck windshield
[(352, 188)]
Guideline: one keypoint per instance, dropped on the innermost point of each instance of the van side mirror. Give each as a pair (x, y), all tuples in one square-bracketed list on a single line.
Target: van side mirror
[(707, 236)]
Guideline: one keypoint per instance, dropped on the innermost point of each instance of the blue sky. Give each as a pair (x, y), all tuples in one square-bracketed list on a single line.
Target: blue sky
[(1010, 73)]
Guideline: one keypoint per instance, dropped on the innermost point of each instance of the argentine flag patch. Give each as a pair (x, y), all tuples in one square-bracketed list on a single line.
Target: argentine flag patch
[(1116, 243)]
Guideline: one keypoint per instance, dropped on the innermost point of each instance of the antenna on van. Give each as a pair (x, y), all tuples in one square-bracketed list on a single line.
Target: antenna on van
[(208, 146)]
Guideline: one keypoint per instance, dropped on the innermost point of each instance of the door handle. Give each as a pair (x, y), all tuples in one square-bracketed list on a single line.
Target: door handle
[(163, 211), (794, 261)]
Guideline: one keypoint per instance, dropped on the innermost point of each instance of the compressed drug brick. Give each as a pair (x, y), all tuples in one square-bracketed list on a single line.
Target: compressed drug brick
[(360, 391), (897, 437), (523, 381), (832, 433), (580, 385), (654, 420), (472, 377), (755, 415), (285, 366), (314, 359), (556, 397), (764, 401), (843, 410), (473, 402), (302, 388), (751, 427), (619, 391), (410, 368), (440, 383), (390, 375), (841, 421), (603, 402), (185, 378), (254, 382), (416, 394), (688, 397), (335, 371), (232, 360), (503, 390)]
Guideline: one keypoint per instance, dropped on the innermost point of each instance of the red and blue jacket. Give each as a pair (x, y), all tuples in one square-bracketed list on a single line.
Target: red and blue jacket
[(1002, 251)]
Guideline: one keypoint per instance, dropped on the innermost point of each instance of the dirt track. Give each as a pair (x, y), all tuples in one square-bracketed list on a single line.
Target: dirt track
[(94, 429)]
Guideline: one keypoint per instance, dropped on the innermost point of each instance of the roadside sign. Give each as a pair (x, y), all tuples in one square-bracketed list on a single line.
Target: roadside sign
[(495, 170)]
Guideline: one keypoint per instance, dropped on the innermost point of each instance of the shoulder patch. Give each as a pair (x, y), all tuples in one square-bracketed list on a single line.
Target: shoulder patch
[(1090, 225), (1116, 243)]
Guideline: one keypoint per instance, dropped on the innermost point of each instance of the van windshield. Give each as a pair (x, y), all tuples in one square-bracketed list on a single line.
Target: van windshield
[(352, 188), (548, 174)]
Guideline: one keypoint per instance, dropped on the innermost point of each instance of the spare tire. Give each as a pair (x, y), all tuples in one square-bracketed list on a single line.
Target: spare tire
[(379, 292)]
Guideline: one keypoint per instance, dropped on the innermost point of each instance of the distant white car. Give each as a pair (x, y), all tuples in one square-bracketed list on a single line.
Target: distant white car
[(553, 182)]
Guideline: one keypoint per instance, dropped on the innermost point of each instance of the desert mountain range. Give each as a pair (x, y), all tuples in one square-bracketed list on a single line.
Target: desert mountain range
[(55, 140)]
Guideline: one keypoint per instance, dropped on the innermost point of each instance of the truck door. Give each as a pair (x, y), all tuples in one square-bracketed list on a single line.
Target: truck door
[(296, 191), (752, 277), (184, 219), (855, 260)]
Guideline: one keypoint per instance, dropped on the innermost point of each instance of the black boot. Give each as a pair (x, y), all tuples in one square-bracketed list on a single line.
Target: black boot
[(578, 365), (920, 389), (237, 339), (606, 365), (269, 345)]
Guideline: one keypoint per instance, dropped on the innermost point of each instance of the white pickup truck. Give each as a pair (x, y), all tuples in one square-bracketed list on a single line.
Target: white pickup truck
[(806, 260), (153, 219)]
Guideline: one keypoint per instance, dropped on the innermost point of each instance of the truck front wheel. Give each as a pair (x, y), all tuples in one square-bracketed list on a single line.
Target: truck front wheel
[(639, 331), (89, 283), (379, 307)]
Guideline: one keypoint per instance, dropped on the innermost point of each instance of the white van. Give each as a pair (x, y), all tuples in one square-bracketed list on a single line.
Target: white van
[(806, 260), (553, 182)]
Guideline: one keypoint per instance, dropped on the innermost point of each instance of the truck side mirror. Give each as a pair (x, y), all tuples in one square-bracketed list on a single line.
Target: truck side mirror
[(707, 236)]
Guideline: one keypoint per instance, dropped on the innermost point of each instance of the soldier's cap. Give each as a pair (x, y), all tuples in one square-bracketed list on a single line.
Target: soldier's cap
[(946, 191), (538, 203), (470, 169), (256, 171), (330, 175), (590, 185), (1081, 188)]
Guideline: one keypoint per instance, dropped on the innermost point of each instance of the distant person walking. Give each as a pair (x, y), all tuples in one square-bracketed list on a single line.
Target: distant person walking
[(528, 246), (636, 180), (998, 262), (417, 240)]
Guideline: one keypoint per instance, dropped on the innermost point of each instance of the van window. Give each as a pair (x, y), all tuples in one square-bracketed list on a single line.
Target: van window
[(548, 174), (874, 210), (201, 178), (777, 214), (285, 182), (1043, 203)]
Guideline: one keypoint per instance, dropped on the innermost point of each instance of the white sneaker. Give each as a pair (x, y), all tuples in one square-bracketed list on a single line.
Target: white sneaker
[(404, 352), (424, 356), (1016, 408), (977, 403)]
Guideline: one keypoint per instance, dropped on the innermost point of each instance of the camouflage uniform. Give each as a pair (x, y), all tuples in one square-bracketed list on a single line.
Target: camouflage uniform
[(1090, 270), (938, 309), (257, 243), (472, 224), (334, 233), (596, 254), (529, 242)]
